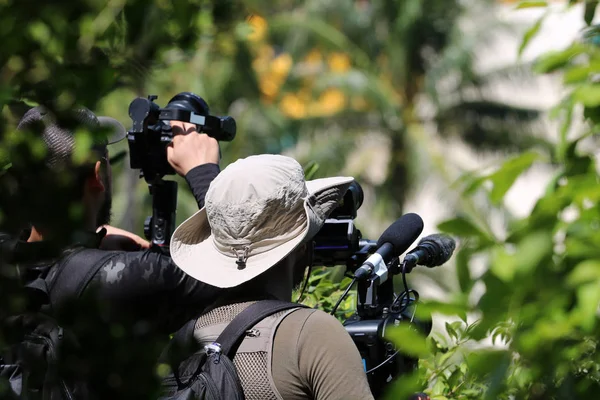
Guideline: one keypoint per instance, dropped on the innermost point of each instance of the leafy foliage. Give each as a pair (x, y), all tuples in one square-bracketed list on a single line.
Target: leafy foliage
[(324, 73), (541, 288)]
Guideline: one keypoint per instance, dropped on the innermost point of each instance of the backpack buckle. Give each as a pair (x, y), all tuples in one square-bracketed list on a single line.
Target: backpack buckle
[(253, 333), (213, 348)]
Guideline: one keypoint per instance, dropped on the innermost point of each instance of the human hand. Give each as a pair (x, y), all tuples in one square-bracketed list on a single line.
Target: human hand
[(188, 149), (120, 239)]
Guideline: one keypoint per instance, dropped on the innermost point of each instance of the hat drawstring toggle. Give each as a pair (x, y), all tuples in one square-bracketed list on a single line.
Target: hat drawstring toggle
[(241, 259)]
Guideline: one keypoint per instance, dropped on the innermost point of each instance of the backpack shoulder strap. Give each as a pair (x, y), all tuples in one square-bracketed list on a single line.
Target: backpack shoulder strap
[(182, 345), (234, 333), (75, 273)]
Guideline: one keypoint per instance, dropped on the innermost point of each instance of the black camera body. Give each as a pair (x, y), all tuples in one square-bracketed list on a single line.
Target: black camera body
[(339, 242), (380, 358), (148, 139), (151, 132)]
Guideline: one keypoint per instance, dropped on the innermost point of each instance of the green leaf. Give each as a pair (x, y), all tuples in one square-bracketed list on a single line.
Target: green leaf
[(588, 95), (530, 252), (590, 11), (463, 227), (588, 298), (505, 177), (530, 4), (426, 308), (483, 363), (592, 113), (451, 332), (533, 249), (463, 273), (556, 60), (577, 74), (408, 340), (585, 272), (531, 32), (310, 170), (504, 265)]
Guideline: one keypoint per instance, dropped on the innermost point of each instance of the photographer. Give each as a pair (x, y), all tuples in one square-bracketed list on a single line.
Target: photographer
[(62, 250), (254, 238)]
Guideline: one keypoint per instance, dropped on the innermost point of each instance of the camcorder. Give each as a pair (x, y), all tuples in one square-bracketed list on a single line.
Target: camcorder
[(378, 308), (148, 139)]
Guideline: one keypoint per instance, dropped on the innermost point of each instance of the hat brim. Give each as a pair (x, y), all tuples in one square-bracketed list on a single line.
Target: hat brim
[(117, 130), (193, 250)]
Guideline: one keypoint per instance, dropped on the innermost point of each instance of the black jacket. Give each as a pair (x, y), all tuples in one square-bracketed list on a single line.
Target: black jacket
[(140, 286)]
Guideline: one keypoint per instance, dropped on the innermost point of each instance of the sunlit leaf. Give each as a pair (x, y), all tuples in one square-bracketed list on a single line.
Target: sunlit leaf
[(504, 178), (555, 60), (408, 340), (531, 32), (463, 272), (530, 4), (588, 95), (463, 227), (585, 272), (588, 297)]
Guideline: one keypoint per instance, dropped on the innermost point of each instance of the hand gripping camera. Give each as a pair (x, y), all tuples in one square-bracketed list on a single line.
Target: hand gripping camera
[(148, 139)]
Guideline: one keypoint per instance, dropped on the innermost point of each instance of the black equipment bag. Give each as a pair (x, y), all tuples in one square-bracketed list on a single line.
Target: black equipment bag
[(209, 373), (32, 362)]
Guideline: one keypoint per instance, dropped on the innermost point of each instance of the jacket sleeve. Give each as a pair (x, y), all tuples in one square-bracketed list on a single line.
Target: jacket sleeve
[(199, 179), (148, 285)]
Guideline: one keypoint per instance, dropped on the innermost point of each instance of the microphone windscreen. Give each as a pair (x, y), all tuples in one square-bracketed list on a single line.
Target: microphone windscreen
[(402, 233), (446, 244)]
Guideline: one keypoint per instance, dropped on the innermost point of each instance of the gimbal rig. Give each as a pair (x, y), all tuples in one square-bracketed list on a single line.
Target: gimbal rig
[(148, 139), (373, 265)]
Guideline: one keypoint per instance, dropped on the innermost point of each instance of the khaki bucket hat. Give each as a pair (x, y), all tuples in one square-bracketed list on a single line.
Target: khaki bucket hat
[(257, 211)]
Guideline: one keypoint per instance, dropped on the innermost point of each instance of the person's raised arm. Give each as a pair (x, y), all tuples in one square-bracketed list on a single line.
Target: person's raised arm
[(193, 156), (148, 281)]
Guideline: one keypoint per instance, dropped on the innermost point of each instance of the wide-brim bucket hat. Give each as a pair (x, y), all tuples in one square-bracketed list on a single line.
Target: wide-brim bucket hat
[(257, 211)]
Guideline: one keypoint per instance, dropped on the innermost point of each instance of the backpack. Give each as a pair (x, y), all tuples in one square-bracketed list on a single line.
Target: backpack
[(209, 373), (33, 361)]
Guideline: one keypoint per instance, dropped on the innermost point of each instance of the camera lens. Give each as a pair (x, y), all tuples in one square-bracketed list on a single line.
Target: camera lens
[(357, 194), (189, 102)]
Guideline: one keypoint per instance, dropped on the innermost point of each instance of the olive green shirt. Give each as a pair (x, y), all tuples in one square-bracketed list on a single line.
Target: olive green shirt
[(315, 358)]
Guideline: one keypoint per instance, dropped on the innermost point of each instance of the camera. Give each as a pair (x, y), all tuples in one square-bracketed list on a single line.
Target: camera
[(151, 132), (340, 242), (148, 139)]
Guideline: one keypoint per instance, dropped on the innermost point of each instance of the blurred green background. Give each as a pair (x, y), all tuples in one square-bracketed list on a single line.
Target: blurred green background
[(479, 115)]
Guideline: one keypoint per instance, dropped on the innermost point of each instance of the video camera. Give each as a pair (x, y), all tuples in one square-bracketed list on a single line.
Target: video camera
[(373, 265), (339, 242), (148, 139)]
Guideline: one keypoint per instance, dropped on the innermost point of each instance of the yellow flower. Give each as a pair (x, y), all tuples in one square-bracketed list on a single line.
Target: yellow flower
[(268, 86), (292, 107), (339, 62), (281, 65), (259, 28), (331, 102), (313, 57)]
